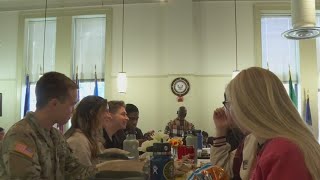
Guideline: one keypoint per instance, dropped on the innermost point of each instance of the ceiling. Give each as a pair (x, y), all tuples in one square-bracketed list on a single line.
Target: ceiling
[(12, 5)]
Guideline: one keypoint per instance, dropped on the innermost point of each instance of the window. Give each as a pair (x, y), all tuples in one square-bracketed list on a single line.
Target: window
[(73, 33), (87, 88), (38, 60), (89, 53), (278, 53)]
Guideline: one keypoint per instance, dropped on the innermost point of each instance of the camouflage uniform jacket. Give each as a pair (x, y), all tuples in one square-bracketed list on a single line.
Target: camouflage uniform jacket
[(32, 152)]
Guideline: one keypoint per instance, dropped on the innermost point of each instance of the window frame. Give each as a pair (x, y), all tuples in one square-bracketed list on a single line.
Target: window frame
[(61, 65), (73, 65), (279, 9)]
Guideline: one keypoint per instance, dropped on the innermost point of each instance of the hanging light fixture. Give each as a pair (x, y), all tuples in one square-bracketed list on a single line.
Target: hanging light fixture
[(236, 71), (122, 76), (303, 13)]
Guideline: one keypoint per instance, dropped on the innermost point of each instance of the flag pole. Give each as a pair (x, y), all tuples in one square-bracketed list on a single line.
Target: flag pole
[(308, 115), (292, 93), (95, 82)]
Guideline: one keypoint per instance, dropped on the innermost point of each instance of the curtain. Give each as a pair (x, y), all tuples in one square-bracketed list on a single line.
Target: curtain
[(36, 63), (89, 46), (278, 52)]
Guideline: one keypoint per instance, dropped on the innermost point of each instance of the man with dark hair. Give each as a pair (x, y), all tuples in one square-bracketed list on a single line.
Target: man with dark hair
[(205, 136), (32, 148), (179, 126), (113, 129), (133, 115), (1, 136), (1, 133)]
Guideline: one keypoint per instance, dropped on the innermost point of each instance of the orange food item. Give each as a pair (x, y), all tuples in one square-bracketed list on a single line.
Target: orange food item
[(216, 172)]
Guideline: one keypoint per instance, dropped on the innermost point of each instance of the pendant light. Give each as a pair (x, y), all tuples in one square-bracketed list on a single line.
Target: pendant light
[(122, 76), (236, 71), (303, 14)]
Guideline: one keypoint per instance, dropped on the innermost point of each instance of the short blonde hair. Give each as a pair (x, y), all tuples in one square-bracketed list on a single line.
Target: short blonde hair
[(261, 105), (114, 106)]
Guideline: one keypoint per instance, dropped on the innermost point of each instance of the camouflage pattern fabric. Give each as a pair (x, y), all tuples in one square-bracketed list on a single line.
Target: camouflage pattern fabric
[(31, 152)]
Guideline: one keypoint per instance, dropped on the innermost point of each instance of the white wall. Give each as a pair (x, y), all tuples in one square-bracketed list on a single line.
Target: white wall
[(182, 39), (158, 105), (8, 61), (162, 41)]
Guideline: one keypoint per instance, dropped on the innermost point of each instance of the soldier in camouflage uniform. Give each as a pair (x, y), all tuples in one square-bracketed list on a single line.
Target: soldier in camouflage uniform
[(32, 148)]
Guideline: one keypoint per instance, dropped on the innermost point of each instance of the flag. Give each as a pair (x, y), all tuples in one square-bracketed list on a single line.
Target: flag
[(308, 112), (292, 93), (95, 93), (24, 149), (27, 96)]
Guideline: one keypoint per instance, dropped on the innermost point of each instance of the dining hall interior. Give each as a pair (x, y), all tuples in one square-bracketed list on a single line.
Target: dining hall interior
[(188, 88), (159, 55)]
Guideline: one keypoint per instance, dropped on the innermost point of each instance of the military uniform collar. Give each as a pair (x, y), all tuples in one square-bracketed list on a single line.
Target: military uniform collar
[(46, 134)]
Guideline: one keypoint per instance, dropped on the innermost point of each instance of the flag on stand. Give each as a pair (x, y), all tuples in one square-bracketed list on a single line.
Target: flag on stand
[(308, 112), (95, 93), (27, 96), (292, 93)]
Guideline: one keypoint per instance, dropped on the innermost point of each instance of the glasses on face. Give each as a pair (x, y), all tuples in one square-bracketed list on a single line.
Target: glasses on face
[(226, 104)]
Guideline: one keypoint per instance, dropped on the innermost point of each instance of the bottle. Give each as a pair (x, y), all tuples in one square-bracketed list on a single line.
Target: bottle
[(200, 139), (194, 139), (131, 145), (161, 163), (195, 145), (189, 139)]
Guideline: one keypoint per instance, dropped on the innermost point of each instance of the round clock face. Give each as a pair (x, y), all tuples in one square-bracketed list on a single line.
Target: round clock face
[(180, 86)]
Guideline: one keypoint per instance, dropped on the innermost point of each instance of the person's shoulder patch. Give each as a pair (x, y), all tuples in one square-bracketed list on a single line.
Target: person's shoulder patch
[(24, 149)]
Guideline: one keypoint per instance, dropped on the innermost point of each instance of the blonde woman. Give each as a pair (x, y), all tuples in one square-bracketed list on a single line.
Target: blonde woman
[(237, 163), (84, 136), (259, 104)]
